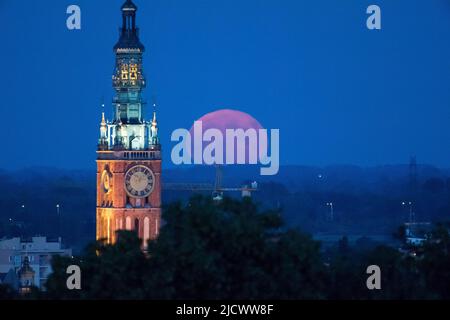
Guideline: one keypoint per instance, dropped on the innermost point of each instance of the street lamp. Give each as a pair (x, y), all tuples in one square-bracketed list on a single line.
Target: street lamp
[(411, 212), (59, 219), (330, 204)]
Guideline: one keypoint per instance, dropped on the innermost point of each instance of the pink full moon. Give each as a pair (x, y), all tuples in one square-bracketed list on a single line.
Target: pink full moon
[(228, 119)]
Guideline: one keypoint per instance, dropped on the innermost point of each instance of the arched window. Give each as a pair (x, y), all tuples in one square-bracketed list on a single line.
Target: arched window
[(135, 144), (146, 230), (136, 225)]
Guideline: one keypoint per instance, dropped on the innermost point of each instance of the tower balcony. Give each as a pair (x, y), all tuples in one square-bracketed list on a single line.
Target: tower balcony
[(148, 154), (126, 100)]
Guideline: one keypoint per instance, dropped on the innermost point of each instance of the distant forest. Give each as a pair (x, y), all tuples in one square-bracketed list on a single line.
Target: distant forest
[(366, 201)]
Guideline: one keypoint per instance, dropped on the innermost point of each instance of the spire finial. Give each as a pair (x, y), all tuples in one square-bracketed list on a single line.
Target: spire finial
[(103, 113), (154, 115)]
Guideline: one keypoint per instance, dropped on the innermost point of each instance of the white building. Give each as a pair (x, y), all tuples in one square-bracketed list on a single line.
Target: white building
[(39, 251)]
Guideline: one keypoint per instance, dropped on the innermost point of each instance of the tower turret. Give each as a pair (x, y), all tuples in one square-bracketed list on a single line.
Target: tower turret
[(129, 83), (103, 141), (26, 276), (129, 33), (154, 131)]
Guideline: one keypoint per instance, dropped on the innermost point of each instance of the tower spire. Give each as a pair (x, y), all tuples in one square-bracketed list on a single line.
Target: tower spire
[(129, 33), (154, 115), (103, 141), (103, 115), (154, 129)]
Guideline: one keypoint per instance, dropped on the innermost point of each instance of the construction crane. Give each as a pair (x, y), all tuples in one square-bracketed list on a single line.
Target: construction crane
[(217, 189)]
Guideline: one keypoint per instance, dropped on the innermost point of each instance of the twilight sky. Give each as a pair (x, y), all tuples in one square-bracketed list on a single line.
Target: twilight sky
[(338, 92)]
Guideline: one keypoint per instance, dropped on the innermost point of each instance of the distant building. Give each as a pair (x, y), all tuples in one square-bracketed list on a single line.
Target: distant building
[(416, 233), (26, 276), (23, 260)]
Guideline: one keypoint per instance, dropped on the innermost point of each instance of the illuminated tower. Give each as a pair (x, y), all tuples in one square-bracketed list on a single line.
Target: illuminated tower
[(129, 153)]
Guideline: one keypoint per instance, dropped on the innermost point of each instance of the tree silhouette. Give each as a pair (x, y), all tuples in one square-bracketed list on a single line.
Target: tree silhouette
[(205, 250), (233, 250)]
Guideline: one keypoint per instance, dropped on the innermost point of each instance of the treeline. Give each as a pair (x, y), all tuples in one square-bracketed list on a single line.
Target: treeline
[(366, 201), (233, 250)]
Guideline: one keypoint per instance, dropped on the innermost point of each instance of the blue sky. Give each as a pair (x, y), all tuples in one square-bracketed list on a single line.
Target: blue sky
[(338, 92)]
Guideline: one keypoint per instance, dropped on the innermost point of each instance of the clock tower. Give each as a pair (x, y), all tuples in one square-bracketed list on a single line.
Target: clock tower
[(129, 152)]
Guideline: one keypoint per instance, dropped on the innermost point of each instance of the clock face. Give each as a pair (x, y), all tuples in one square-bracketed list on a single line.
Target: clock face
[(139, 181), (106, 181)]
